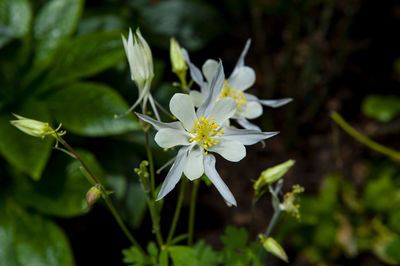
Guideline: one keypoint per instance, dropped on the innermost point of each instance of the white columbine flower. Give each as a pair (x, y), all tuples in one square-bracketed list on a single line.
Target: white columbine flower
[(201, 132), (242, 78), (141, 65)]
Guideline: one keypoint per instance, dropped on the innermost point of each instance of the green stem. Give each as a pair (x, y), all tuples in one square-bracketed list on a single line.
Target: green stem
[(393, 154), (273, 222), (151, 163), (106, 198), (150, 198), (177, 211), (192, 211)]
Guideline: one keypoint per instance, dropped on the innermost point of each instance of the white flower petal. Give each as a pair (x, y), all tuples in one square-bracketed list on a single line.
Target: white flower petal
[(224, 109), (246, 137), (250, 97), (275, 103), (240, 61), (232, 150), (195, 73), (168, 137), (209, 68), (243, 79), (214, 90), (159, 125), (182, 107), (212, 174), (194, 168), (197, 98), (246, 124), (250, 110), (174, 173)]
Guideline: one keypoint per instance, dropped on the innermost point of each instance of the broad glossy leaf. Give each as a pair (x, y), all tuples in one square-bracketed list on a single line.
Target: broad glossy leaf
[(89, 108), (193, 23), (381, 108), (83, 56), (28, 154), (15, 19), (29, 239), (56, 20), (63, 187)]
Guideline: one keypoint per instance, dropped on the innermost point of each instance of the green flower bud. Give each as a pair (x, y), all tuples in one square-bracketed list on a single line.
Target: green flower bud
[(32, 127), (272, 174), (92, 195), (179, 66), (273, 247)]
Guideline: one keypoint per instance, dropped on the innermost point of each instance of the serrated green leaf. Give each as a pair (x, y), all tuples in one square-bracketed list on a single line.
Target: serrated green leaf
[(83, 56), (89, 108), (62, 189), (15, 19), (28, 154), (133, 255), (30, 240), (234, 238), (165, 20), (183, 255), (56, 20), (381, 108), (205, 254)]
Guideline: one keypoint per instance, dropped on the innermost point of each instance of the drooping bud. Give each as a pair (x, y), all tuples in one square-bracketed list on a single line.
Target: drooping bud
[(33, 127), (92, 195), (272, 175), (273, 247), (140, 60), (178, 62)]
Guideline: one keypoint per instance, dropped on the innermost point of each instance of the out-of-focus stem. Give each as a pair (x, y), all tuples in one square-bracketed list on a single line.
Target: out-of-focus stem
[(177, 211), (393, 154), (192, 211)]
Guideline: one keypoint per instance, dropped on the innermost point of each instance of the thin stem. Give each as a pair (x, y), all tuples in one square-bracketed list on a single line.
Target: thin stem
[(150, 199), (272, 223), (106, 198), (393, 154), (151, 163), (192, 211), (177, 211)]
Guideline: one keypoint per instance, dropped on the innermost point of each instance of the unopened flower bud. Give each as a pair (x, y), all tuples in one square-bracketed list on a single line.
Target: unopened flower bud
[(273, 247), (32, 127), (272, 174), (92, 195), (178, 63), (144, 175)]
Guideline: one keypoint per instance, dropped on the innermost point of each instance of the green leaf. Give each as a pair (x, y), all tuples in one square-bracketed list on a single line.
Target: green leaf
[(56, 20), (84, 56), (205, 254), (100, 23), (30, 240), (63, 187), (183, 255), (234, 238), (89, 108), (15, 19), (133, 255), (28, 154), (392, 250), (381, 108), (188, 21)]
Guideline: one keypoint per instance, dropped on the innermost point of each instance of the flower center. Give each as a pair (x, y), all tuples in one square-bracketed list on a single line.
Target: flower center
[(205, 131), (227, 91)]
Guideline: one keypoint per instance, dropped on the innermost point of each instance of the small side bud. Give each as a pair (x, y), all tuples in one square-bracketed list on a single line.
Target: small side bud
[(273, 247), (143, 174), (32, 127), (179, 66), (272, 175), (92, 195)]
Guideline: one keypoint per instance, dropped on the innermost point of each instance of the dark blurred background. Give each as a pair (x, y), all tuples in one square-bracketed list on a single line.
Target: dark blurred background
[(327, 55)]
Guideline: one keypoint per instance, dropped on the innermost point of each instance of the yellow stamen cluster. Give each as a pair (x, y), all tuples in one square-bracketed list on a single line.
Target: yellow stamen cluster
[(205, 131), (227, 91), (289, 201)]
